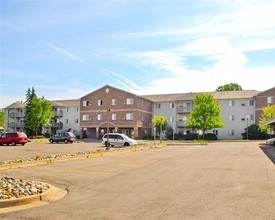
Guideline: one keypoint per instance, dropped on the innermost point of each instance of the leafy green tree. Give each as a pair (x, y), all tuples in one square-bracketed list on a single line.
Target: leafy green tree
[(38, 113), (229, 87), (268, 112), (160, 122), (206, 113), (1, 118)]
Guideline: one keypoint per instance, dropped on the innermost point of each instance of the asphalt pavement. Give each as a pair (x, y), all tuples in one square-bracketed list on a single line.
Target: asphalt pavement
[(222, 180)]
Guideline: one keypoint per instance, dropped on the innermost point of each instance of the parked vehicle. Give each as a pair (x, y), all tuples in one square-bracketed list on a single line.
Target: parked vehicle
[(271, 141), (66, 137), (118, 139), (13, 138)]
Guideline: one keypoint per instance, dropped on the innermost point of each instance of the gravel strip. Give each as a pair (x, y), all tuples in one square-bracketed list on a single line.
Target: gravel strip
[(11, 188)]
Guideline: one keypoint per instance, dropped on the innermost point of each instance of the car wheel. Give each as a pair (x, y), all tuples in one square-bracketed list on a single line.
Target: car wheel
[(23, 144), (13, 143), (51, 140), (274, 143), (66, 141), (126, 144)]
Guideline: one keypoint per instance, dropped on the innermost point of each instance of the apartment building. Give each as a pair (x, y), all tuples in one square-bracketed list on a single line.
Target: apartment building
[(66, 117), (127, 113), (262, 99), (237, 110), (13, 116), (118, 110)]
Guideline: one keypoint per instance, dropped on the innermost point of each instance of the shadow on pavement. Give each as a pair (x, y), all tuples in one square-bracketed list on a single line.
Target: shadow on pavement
[(269, 151)]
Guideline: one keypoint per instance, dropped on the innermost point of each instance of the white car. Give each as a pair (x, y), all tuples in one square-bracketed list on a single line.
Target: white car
[(271, 141), (118, 139)]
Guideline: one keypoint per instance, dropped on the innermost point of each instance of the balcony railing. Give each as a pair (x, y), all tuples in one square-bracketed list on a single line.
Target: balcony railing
[(16, 115), (58, 113), (16, 125), (182, 124), (57, 125), (182, 109)]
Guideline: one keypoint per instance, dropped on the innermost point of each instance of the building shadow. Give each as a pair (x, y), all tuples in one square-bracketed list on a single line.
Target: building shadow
[(269, 152)]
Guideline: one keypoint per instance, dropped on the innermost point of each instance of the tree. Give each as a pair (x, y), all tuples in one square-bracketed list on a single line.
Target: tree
[(268, 112), (1, 118), (38, 113), (229, 87), (254, 133), (160, 122), (206, 113)]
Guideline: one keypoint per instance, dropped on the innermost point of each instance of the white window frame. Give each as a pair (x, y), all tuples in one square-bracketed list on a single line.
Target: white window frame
[(86, 117), (172, 105), (231, 103), (129, 101), (270, 100), (99, 102), (114, 101), (99, 117), (231, 118), (250, 102), (114, 117), (129, 116), (86, 103), (231, 132), (158, 105)]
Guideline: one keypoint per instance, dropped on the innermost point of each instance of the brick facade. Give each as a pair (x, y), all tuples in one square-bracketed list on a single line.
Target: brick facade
[(263, 99), (126, 112)]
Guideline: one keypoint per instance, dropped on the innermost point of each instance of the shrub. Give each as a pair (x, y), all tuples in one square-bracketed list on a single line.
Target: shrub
[(210, 136)]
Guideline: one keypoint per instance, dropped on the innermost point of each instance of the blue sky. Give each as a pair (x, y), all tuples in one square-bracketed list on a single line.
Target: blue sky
[(68, 48)]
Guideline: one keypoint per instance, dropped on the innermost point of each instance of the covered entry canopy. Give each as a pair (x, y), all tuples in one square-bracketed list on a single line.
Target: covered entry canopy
[(270, 122)]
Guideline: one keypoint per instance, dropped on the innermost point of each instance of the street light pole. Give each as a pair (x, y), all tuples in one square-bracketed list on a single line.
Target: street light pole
[(108, 144), (246, 128)]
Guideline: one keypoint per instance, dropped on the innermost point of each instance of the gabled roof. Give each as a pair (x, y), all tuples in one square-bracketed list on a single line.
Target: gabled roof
[(18, 104), (66, 103), (105, 87), (163, 97), (260, 93), (243, 94)]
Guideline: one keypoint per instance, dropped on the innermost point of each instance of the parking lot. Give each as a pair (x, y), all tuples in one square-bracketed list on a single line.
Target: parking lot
[(222, 180)]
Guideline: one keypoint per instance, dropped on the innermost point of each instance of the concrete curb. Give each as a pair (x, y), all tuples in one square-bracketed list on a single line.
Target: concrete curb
[(51, 195)]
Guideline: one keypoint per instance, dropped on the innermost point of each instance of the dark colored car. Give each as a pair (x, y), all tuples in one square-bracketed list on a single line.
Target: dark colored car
[(66, 137), (13, 138)]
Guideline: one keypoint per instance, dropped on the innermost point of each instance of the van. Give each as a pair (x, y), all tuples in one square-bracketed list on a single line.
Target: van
[(118, 139), (13, 138)]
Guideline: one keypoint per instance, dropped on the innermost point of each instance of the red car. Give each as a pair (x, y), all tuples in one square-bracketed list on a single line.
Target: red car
[(13, 138)]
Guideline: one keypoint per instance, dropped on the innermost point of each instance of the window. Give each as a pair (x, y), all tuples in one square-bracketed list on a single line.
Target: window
[(231, 118), (157, 106), (67, 120), (99, 117), (171, 119), (249, 117), (230, 132), (130, 116), (231, 103), (76, 120), (67, 109), (86, 103), (142, 102), (270, 100), (250, 102), (99, 102), (113, 117), (86, 117), (114, 101), (129, 101), (142, 117), (172, 105)]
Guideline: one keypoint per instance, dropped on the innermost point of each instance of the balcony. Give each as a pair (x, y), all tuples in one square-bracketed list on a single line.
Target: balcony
[(57, 125), (183, 109), (16, 125), (16, 115), (182, 124), (58, 113)]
